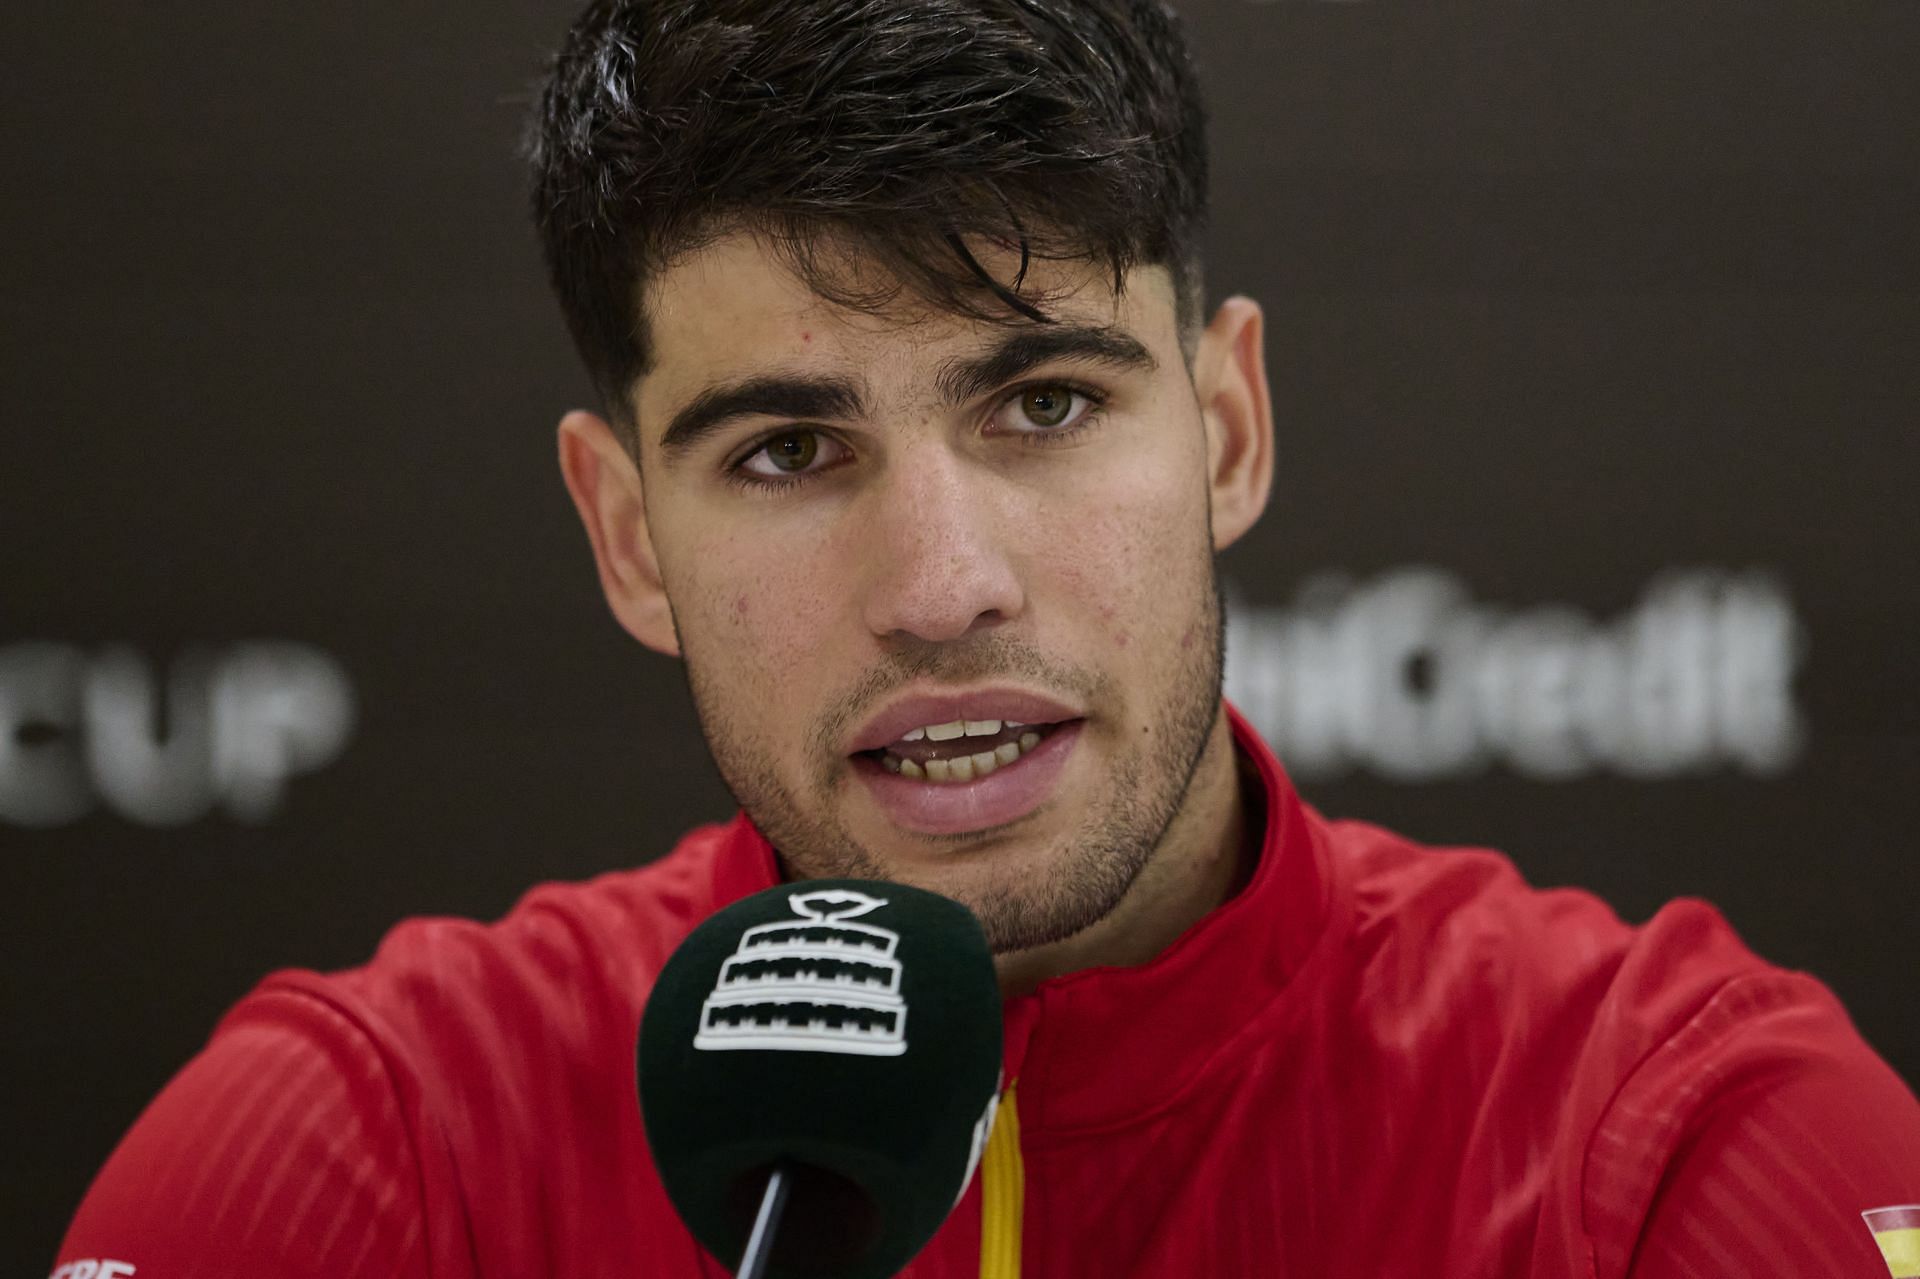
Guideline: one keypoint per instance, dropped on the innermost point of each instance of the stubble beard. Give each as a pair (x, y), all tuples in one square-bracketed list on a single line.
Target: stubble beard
[(1025, 902)]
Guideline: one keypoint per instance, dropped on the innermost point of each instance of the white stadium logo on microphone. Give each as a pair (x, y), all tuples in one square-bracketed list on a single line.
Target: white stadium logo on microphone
[(819, 983)]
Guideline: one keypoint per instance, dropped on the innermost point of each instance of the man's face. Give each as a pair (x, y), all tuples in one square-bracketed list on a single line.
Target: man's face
[(944, 588)]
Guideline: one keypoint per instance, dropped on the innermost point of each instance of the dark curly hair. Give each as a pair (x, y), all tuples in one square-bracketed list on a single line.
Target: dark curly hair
[(905, 131)]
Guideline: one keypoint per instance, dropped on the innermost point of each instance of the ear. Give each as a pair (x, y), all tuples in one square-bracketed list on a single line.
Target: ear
[(1230, 381), (606, 490)]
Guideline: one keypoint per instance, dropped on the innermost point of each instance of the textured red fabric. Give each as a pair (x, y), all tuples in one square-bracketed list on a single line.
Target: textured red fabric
[(1378, 1059)]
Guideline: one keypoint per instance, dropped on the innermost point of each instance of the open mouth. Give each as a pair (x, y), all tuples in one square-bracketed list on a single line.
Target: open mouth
[(959, 750)]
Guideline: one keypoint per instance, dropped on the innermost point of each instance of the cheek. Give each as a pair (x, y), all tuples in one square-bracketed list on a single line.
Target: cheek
[(1128, 559), (755, 614)]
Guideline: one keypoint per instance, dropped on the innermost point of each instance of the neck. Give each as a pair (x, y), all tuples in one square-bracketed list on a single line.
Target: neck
[(1206, 855)]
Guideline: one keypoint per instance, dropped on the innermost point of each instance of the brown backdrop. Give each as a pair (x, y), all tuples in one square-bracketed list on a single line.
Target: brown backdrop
[(1593, 350)]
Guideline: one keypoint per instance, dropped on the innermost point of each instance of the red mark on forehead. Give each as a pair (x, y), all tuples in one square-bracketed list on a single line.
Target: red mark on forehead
[(806, 337)]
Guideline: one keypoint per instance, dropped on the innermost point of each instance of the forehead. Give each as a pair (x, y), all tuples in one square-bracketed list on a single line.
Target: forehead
[(735, 309)]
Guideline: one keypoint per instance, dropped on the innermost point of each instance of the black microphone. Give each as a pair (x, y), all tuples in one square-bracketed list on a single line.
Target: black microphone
[(842, 1033)]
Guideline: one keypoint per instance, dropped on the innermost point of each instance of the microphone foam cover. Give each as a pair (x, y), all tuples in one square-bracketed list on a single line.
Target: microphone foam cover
[(849, 1029)]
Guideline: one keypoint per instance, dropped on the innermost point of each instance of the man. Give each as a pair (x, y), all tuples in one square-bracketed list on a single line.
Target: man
[(918, 448)]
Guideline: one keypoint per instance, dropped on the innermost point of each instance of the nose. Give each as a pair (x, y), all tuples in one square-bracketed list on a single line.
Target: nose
[(940, 549)]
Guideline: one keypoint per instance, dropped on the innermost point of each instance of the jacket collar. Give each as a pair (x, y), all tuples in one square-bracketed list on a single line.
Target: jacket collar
[(1106, 1046)]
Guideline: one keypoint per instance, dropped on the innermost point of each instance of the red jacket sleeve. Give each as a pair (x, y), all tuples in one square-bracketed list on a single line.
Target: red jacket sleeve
[(1777, 1172), (279, 1150)]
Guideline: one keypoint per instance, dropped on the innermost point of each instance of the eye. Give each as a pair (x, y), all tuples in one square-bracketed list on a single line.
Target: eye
[(791, 454), (1043, 409)]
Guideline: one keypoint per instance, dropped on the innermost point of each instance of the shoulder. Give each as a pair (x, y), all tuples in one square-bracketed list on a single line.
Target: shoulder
[(1602, 1048), (288, 1105), (484, 1034), (566, 959), (416, 1095), (493, 1037), (1459, 932), (1464, 919)]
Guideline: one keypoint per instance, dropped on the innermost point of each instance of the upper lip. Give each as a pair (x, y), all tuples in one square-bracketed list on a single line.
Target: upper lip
[(895, 720)]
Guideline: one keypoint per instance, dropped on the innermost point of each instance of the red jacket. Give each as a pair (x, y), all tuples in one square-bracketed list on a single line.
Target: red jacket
[(1377, 1060)]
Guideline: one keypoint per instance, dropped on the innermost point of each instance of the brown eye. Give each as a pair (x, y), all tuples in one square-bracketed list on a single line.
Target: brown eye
[(794, 451), (1047, 405), (793, 456)]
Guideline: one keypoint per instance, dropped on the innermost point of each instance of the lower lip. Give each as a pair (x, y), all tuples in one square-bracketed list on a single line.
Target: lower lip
[(1005, 795)]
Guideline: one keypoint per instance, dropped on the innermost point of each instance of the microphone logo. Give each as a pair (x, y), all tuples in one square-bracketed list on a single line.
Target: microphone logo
[(818, 983)]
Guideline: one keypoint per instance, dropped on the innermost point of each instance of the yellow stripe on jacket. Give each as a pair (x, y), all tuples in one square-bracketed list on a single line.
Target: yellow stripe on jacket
[(1003, 1195)]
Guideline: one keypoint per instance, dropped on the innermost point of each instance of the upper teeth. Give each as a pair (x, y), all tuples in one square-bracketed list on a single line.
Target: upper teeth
[(961, 768), (959, 728)]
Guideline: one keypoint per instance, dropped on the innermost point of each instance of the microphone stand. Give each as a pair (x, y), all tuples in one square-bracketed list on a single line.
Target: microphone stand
[(753, 1263)]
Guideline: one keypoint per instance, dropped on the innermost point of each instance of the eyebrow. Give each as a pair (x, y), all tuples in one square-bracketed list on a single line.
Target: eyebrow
[(959, 380), (772, 395), (1027, 349)]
